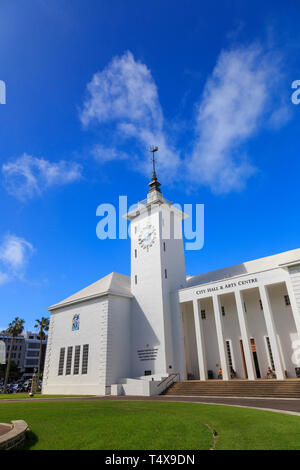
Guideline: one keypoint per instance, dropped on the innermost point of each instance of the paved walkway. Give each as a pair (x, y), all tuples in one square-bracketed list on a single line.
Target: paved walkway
[(4, 428), (290, 405)]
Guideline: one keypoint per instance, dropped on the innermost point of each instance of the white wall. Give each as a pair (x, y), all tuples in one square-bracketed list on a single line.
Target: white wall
[(232, 332), (294, 272), (285, 325), (147, 322), (120, 317), (190, 344), (173, 260), (179, 365), (257, 328), (104, 325), (210, 336), (152, 309)]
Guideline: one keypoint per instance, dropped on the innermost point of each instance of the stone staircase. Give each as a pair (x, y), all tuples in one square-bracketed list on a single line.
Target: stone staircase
[(289, 388)]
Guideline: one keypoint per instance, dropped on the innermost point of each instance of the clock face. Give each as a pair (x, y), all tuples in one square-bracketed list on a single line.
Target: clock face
[(147, 237)]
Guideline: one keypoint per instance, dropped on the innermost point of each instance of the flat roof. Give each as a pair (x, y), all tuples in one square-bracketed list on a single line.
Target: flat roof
[(279, 260)]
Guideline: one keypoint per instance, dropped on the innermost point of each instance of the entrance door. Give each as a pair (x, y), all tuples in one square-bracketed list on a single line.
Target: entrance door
[(244, 360), (255, 358)]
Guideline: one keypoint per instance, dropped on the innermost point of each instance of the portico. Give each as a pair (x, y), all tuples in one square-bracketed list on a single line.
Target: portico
[(242, 324)]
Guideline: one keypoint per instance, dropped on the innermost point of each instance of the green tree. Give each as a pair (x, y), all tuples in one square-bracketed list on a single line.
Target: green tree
[(42, 325), (15, 328), (14, 371)]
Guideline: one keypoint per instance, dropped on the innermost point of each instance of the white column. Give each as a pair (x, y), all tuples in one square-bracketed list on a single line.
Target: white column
[(182, 371), (294, 306), (200, 341), (245, 335), (220, 337), (271, 329)]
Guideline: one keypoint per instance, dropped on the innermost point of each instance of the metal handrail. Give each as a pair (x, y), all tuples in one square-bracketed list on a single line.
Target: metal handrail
[(171, 376)]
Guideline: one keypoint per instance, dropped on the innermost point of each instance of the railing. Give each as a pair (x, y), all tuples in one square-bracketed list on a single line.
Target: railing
[(167, 381), (144, 202)]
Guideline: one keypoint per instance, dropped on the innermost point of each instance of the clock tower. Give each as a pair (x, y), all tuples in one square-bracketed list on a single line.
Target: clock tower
[(157, 272)]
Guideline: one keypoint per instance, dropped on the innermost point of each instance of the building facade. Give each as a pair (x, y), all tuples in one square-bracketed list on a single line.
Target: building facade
[(25, 352), (125, 335), (18, 352), (32, 351)]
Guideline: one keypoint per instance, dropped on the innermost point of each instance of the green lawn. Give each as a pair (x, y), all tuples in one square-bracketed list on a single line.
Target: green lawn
[(16, 396), (150, 425)]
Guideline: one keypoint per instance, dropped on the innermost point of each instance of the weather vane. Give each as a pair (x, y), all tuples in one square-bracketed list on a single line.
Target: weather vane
[(153, 150)]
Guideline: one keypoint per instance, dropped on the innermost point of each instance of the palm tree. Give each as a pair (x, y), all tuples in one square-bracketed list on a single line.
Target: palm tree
[(42, 325), (14, 329)]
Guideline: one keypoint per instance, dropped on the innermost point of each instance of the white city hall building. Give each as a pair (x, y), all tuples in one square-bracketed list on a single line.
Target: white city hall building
[(133, 335)]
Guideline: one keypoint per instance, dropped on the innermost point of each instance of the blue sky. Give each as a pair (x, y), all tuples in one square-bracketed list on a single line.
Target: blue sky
[(92, 84)]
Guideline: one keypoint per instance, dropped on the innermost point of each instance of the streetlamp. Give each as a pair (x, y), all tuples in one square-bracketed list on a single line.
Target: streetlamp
[(34, 383)]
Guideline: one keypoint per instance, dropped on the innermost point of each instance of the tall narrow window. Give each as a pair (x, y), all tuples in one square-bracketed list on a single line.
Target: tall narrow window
[(135, 279), (164, 246), (76, 360), (223, 311), (69, 360), (270, 352), (135, 253), (229, 355), (85, 358), (61, 361), (287, 300), (166, 274), (203, 314)]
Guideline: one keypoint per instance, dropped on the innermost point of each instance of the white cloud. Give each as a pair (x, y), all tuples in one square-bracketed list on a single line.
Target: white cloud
[(107, 154), (241, 97), (124, 90), (14, 254), (238, 100), (28, 176), (125, 96), (3, 278)]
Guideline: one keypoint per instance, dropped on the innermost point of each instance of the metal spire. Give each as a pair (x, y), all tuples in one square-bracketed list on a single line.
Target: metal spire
[(154, 184)]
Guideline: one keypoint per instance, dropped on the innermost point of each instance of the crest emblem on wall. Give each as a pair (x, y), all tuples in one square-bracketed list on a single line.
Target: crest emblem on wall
[(75, 322)]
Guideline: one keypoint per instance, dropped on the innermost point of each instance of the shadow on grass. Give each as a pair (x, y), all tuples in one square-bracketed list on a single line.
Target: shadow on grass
[(31, 440)]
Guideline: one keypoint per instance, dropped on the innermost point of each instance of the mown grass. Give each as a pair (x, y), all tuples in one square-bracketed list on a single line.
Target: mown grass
[(151, 426), (17, 396)]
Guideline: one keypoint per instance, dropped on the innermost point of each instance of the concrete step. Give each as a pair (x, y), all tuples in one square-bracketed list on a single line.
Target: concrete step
[(247, 388)]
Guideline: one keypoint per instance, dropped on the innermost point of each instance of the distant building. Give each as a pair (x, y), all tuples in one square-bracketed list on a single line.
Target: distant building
[(32, 351), (2, 352), (25, 353), (18, 352)]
